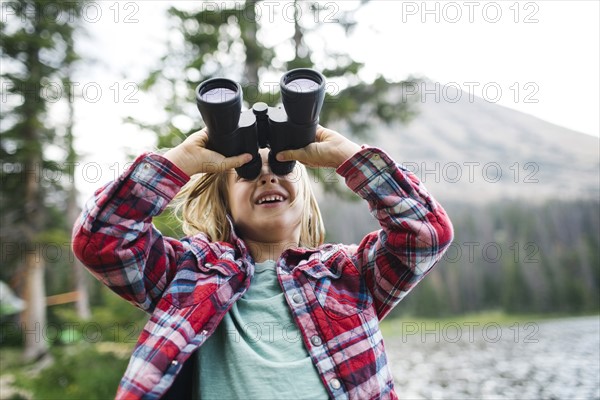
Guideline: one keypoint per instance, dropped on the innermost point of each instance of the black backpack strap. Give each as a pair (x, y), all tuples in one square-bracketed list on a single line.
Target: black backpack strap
[(186, 382)]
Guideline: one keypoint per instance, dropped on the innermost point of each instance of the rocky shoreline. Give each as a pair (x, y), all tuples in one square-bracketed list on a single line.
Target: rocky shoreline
[(558, 359)]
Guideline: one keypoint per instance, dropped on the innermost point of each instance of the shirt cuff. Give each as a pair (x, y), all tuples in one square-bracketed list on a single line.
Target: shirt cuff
[(364, 166), (159, 175)]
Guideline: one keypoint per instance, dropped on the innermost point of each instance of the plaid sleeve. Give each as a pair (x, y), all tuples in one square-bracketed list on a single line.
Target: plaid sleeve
[(114, 236), (415, 229)]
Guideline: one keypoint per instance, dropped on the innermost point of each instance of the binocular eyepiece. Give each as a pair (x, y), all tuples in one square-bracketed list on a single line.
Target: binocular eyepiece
[(232, 132)]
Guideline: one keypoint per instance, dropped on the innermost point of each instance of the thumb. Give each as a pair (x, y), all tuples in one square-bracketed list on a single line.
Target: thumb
[(287, 155)]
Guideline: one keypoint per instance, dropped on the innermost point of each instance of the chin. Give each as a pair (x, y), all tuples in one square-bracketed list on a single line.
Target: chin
[(269, 229)]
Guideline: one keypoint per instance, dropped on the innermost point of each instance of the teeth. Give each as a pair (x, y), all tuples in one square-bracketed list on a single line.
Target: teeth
[(270, 198)]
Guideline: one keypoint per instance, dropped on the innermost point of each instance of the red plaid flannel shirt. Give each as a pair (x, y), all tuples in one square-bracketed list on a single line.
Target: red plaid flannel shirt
[(336, 293)]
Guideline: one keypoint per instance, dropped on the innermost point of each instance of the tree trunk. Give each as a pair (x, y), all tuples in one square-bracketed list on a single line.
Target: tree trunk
[(249, 27), (81, 286), (298, 34), (33, 318), (81, 282)]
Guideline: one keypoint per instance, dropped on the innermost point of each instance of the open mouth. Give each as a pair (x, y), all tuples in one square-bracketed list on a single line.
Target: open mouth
[(270, 198)]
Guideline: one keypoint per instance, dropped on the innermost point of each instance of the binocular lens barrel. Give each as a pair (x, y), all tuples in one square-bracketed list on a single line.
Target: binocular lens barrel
[(219, 101), (303, 75), (218, 95), (218, 91), (231, 132), (302, 85), (302, 95)]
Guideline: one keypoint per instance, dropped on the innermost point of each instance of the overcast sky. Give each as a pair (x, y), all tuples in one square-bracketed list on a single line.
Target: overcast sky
[(543, 56), (540, 57)]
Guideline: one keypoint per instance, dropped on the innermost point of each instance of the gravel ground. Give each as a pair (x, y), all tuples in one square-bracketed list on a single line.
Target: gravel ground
[(558, 359)]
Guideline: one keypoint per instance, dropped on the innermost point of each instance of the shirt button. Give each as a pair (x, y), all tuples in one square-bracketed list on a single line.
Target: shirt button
[(174, 362), (335, 384), (208, 265), (316, 341), (297, 298)]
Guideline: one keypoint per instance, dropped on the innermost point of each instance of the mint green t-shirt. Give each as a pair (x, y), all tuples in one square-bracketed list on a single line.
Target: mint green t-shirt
[(256, 351)]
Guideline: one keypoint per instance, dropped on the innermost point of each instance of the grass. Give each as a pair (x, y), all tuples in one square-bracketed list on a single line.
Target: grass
[(402, 326), (87, 359), (78, 371)]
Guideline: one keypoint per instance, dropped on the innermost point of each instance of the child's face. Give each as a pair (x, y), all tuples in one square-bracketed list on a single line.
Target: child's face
[(268, 208)]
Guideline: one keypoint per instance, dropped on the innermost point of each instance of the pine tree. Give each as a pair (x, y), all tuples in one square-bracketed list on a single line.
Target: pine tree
[(37, 48)]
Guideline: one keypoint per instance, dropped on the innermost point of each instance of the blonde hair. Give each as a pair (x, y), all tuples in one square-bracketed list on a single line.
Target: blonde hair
[(202, 206)]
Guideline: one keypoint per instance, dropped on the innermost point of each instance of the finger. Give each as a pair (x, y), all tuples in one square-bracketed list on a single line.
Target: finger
[(201, 137), (326, 135), (321, 134), (236, 161), (288, 155)]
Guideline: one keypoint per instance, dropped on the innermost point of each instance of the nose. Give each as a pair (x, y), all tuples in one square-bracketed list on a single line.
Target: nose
[(266, 175)]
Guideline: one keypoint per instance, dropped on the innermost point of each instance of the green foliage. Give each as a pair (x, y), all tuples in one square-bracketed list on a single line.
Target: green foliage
[(88, 357), (432, 306), (168, 224), (37, 53), (114, 321), (79, 372), (516, 294), (10, 336), (548, 261), (407, 326)]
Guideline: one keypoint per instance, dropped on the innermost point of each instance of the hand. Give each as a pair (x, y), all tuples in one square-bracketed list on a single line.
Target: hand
[(192, 156), (330, 149)]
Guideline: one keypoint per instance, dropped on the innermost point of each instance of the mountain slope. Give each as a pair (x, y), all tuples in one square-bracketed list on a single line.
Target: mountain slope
[(473, 152), (476, 151)]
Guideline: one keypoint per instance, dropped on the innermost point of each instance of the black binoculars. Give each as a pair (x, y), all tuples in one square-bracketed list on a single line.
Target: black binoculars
[(232, 132)]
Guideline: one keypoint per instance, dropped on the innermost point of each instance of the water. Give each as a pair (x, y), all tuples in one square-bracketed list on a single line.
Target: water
[(557, 359)]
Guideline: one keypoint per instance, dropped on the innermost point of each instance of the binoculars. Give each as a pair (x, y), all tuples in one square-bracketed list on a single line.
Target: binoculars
[(232, 132)]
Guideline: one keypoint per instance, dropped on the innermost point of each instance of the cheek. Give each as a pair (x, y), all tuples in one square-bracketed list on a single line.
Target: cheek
[(298, 207), (238, 203)]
